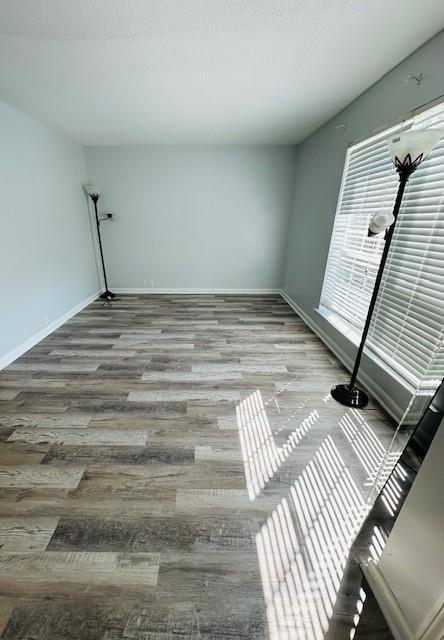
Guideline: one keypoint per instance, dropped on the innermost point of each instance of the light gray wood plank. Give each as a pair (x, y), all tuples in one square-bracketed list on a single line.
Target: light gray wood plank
[(80, 436), (53, 367), (7, 606), (8, 394), (179, 395), (306, 346), (33, 476), (238, 330), (229, 423), (217, 453), (224, 499), (26, 383), (26, 534), (117, 329), (190, 376), (174, 322), (164, 345), (243, 368), (141, 339), (46, 421), (91, 353), (88, 568)]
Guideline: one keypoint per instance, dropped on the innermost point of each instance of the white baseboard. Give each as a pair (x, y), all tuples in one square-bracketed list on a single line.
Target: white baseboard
[(198, 290), (387, 602), (37, 337), (433, 626), (384, 399)]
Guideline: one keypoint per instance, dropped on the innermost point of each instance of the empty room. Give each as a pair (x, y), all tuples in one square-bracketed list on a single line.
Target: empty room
[(221, 325)]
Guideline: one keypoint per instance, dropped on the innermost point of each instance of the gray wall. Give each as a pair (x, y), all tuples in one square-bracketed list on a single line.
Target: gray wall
[(47, 261), (195, 217), (319, 171)]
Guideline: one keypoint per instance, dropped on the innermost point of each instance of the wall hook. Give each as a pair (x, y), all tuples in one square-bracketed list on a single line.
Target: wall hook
[(417, 78)]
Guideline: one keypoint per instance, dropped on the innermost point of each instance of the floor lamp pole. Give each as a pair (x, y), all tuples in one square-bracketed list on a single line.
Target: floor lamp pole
[(107, 294), (349, 394), (407, 150)]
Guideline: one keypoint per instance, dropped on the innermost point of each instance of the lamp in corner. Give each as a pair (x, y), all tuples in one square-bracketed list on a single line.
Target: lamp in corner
[(407, 150), (94, 193)]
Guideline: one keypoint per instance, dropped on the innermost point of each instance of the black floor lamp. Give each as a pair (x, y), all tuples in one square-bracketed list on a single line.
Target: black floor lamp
[(95, 193), (407, 151)]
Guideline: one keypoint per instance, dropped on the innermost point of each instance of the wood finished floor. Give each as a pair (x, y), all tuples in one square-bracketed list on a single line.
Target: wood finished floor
[(174, 468)]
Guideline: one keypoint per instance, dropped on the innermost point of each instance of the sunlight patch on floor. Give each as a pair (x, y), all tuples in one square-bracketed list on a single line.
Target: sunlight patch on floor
[(304, 545), (260, 454)]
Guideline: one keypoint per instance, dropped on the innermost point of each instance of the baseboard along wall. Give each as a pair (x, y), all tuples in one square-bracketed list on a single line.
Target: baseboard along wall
[(196, 290), (38, 337), (384, 399)]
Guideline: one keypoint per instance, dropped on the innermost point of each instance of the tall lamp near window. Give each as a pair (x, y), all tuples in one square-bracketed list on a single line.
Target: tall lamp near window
[(94, 193), (407, 151)]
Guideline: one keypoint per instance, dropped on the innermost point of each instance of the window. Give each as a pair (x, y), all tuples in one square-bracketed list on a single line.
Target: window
[(406, 332)]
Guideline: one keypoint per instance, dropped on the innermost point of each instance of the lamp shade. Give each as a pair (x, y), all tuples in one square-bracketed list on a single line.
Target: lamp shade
[(380, 221), (92, 190), (409, 149)]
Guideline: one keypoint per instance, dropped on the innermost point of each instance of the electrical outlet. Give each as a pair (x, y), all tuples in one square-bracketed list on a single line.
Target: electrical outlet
[(45, 318), (151, 283)]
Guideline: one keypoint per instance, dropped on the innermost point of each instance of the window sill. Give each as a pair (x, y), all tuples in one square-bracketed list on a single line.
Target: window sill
[(354, 336), (341, 325)]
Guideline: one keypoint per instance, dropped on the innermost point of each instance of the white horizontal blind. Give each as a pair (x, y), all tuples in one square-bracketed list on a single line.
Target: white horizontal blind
[(369, 184), (407, 327)]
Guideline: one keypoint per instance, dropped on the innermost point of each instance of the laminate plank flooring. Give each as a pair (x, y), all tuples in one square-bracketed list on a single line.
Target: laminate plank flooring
[(174, 467), (51, 572), (26, 534), (7, 606), (79, 436), (35, 476), (42, 421)]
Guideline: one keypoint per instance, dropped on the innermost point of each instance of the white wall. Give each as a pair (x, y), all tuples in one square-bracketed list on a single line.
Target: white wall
[(412, 563), (47, 263), (318, 177), (195, 217)]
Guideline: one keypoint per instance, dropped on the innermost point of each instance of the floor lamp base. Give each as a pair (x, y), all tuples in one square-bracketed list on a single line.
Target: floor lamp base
[(350, 396), (107, 295)]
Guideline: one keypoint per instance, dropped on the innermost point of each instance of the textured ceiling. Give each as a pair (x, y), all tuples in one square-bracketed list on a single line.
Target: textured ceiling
[(200, 71)]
